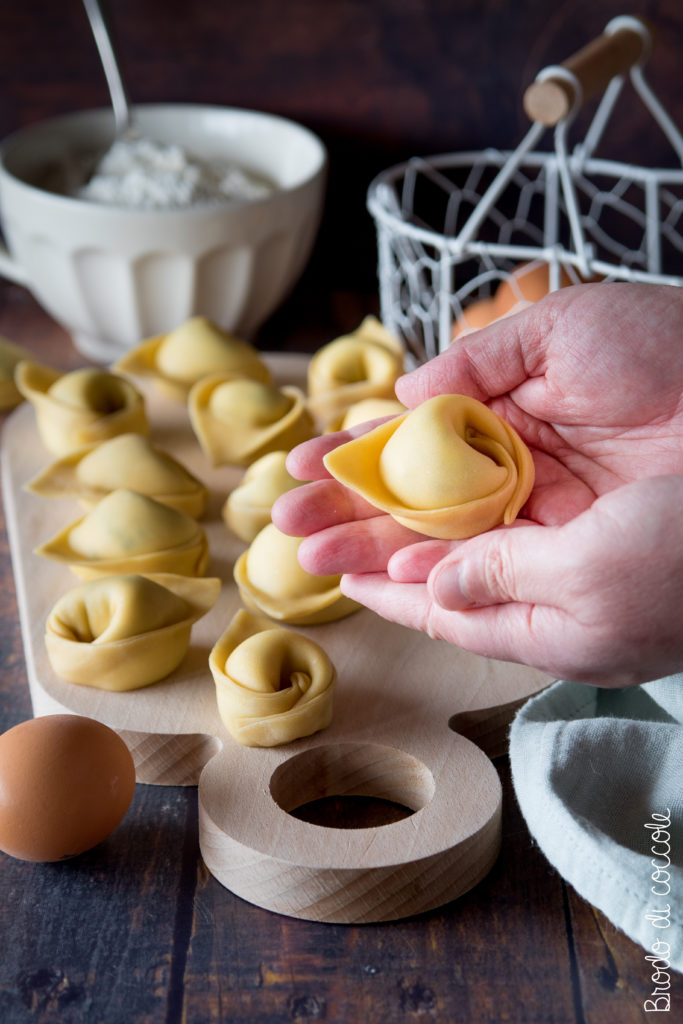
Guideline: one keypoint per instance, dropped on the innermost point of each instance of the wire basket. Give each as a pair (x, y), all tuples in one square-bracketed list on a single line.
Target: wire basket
[(451, 228)]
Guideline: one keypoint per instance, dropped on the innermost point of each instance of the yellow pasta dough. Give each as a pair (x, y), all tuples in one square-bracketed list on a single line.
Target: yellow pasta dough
[(11, 355), (370, 409), (128, 532), (195, 349), (238, 421), (126, 631), (128, 461), (270, 580), (272, 685), (82, 407), (451, 468), (364, 364), (247, 508)]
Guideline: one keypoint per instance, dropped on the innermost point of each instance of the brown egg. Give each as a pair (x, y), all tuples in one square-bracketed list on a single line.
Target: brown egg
[(526, 284), (65, 783)]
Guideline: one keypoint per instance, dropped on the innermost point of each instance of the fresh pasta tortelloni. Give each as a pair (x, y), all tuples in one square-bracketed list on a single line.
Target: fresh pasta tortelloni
[(128, 532), (364, 364), (272, 685), (126, 631), (451, 468), (11, 355), (271, 581), (238, 421), (82, 407), (247, 508), (128, 461), (195, 349), (369, 409)]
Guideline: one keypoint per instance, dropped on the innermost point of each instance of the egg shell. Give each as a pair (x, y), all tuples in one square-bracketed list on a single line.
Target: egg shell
[(66, 782)]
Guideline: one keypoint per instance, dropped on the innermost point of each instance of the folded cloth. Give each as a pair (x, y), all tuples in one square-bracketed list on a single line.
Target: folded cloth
[(599, 778)]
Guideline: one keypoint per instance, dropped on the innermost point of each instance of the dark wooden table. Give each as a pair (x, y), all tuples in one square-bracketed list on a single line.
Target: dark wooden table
[(138, 932)]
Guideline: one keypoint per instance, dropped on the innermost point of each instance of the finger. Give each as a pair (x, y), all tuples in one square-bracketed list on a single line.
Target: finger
[(504, 565), (501, 631), (414, 562), (403, 603), (305, 461), (354, 547), (486, 363), (318, 506)]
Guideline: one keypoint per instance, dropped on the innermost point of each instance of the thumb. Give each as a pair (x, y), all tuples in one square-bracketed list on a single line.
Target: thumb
[(507, 565)]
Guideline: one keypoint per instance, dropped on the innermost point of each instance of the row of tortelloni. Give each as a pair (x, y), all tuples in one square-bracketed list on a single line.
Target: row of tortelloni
[(236, 410), (128, 624), (128, 631), (123, 630), (141, 552)]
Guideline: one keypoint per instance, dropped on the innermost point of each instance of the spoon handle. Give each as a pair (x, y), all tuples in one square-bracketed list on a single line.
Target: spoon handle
[(117, 91)]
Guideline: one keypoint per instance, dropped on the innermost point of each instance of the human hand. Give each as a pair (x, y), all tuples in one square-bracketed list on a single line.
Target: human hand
[(591, 378), (596, 600)]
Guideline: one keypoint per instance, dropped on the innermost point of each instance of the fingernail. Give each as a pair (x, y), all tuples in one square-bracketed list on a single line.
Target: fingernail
[(447, 589)]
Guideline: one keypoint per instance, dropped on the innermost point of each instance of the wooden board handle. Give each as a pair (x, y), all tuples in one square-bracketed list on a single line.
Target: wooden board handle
[(612, 53)]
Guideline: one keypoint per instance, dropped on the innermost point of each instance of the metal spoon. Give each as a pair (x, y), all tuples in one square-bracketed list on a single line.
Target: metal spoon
[(117, 90)]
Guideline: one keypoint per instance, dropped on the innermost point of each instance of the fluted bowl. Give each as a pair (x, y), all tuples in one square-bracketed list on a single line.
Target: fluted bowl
[(113, 275)]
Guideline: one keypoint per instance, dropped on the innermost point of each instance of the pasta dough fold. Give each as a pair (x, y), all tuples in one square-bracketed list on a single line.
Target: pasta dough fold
[(451, 468), (82, 407), (272, 685), (195, 349), (247, 508), (128, 532), (364, 364), (128, 461), (369, 409), (126, 631), (238, 421), (270, 580)]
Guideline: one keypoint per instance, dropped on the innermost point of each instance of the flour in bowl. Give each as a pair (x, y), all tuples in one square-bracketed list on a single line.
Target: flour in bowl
[(147, 175)]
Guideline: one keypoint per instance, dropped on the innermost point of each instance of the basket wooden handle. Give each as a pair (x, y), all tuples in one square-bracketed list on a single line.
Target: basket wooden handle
[(612, 53)]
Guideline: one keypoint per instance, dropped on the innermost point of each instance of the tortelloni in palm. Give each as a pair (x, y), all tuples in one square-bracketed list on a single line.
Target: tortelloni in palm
[(364, 364), (238, 421), (451, 468), (126, 631), (195, 349), (270, 580), (248, 507), (82, 407), (272, 685), (128, 532), (128, 461)]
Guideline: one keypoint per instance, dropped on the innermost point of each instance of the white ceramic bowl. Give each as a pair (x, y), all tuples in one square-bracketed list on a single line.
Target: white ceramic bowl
[(113, 276)]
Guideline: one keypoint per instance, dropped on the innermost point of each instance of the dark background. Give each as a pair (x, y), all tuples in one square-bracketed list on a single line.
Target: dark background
[(378, 80)]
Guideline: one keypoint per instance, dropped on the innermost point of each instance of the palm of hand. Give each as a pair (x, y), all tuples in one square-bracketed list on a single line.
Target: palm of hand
[(594, 391)]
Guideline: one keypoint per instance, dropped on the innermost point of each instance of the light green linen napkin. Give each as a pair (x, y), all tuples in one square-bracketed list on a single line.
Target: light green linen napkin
[(599, 778)]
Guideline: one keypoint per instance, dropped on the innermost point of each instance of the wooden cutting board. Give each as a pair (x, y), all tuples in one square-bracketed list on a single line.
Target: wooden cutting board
[(399, 698)]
